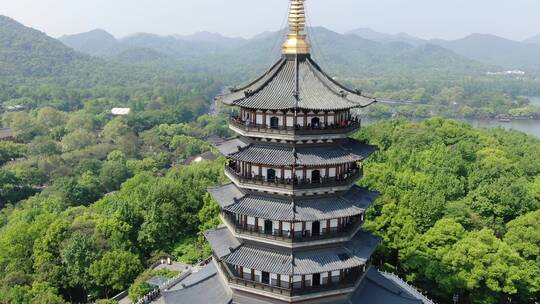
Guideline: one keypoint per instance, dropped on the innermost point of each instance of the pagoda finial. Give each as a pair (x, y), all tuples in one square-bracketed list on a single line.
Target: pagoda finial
[(296, 39)]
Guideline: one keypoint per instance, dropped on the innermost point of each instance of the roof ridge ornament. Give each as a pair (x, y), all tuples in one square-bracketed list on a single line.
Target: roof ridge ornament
[(296, 43), (248, 92)]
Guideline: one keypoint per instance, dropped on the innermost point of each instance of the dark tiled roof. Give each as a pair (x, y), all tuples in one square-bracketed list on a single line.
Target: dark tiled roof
[(279, 155), (262, 259), (349, 203), (377, 289), (233, 145), (308, 262), (226, 195), (275, 90), (202, 287), (205, 287), (222, 241), (6, 133)]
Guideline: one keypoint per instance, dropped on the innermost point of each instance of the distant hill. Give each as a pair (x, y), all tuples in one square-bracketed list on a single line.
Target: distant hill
[(370, 34), (101, 43), (489, 49), (347, 53), (533, 40), (96, 42), (495, 50), (138, 56), (30, 57), (215, 38), (353, 55), (26, 52)]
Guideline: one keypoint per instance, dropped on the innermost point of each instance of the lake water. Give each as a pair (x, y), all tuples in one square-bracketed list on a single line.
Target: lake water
[(527, 126), (531, 127), (535, 100)]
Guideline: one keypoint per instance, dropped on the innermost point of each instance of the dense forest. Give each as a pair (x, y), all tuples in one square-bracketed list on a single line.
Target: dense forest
[(459, 209), (89, 200), (458, 212)]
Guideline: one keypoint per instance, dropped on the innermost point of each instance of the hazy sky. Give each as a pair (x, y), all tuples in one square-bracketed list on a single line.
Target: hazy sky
[(516, 19)]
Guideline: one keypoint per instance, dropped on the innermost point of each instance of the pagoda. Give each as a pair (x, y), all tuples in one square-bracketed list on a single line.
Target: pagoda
[(292, 211)]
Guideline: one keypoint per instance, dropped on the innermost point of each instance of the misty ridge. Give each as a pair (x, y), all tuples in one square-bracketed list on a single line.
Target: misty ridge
[(477, 76), (362, 48)]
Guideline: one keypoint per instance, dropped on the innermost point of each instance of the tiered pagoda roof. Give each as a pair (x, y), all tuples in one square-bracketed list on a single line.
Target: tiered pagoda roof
[(349, 203), (344, 151), (354, 253), (296, 82)]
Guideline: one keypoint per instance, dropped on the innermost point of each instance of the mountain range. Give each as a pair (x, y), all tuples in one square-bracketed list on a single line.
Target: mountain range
[(26, 52), (533, 40), (30, 57), (486, 48), (345, 52), (363, 44)]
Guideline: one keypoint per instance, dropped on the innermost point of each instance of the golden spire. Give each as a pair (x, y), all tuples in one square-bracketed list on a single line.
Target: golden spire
[(296, 40)]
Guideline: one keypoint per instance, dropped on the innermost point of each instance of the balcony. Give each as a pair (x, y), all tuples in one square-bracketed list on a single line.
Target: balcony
[(348, 281), (336, 233), (295, 184), (344, 128)]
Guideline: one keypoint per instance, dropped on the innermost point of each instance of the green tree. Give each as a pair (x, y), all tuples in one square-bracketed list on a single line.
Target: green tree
[(116, 128), (486, 267), (77, 140), (23, 125), (80, 120), (49, 118), (186, 146), (9, 150), (115, 271), (534, 189), (77, 253), (43, 146), (43, 293), (113, 174)]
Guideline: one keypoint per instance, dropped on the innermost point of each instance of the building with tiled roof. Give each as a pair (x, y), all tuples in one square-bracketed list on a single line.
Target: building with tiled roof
[(6, 134), (293, 213)]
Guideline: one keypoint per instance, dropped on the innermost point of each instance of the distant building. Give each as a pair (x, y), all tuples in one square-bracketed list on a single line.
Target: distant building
[(507, 73), (120, 111), (214, 140), (14, 108), (6, 134), (207, 156)]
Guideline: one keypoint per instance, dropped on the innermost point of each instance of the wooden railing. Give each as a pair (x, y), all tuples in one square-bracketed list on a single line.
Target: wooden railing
[(340, 232), (346, 127), (347, 282), (300, 184)]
